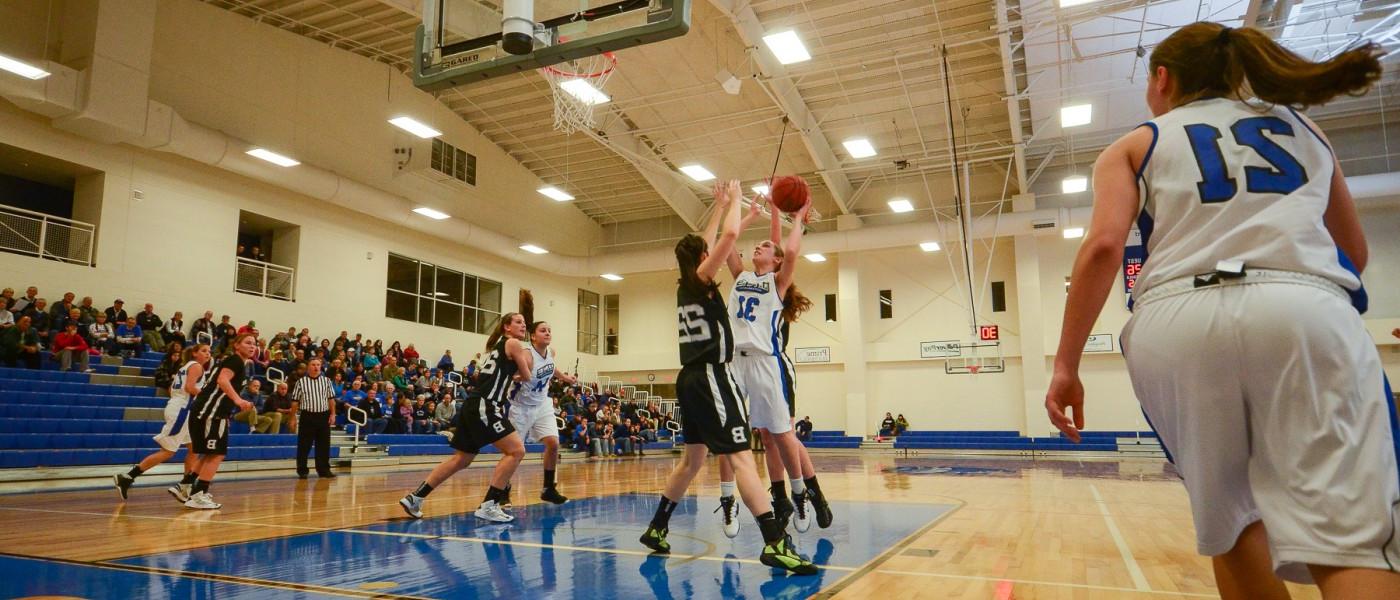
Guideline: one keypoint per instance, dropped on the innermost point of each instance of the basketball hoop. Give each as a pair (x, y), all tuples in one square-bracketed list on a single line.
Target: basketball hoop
[(578, 87)]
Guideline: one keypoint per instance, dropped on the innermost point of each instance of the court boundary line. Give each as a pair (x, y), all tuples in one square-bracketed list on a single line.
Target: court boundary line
[(220, 578), (1129, 561), (885, 556)]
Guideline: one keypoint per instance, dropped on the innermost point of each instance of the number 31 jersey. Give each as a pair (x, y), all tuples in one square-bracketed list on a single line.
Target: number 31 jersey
[(704, 327), (1224, 181), (755, 311)]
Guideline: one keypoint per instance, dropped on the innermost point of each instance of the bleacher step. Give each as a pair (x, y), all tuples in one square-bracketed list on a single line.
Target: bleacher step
[(140, 380)]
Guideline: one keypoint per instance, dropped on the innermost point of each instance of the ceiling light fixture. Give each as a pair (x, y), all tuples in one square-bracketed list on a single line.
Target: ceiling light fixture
[(414, 127), (1076, 115), (584, 91), (1069, 3), (431, 213), (787, 47), (555, 194), (612, 277), (859, 148), (22, 69), (697, 172), (273, 157), (761, 189), (901, 205), (1074, 184), (815, 257), (1073, 233), (533, 249), (929, 246)]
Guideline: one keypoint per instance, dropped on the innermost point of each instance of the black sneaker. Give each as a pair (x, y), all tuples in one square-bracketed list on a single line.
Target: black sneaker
[(553, 496), (783, 509), (656, 540), (822, 509), (123, 482), (781, 555)]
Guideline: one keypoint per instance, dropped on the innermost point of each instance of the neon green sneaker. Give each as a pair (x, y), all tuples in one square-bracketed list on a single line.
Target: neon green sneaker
[(781, 555), (656, 540)]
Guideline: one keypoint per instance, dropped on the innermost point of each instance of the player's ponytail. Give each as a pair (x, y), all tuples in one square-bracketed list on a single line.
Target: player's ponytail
[(690, 251), (794, 304), (527, 308), (1209, 59)]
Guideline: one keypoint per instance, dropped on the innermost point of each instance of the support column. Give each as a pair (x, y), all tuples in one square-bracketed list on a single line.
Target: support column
[(853, 343), (1035, 376)]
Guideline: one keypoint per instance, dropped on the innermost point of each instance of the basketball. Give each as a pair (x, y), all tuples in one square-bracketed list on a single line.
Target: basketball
[(790, 193)]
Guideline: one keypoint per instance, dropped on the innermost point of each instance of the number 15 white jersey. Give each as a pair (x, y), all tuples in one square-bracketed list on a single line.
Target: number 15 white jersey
[(755, 310), (1224, 181)]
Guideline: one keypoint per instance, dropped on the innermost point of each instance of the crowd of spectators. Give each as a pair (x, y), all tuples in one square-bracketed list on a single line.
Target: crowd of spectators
[(398, 389)]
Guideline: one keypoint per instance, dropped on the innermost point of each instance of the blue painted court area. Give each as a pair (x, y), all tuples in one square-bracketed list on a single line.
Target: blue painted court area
[(586, 549)]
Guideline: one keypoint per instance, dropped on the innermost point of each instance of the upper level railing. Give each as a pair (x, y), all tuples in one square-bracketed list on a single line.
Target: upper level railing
[(36, 234), (264, 279)]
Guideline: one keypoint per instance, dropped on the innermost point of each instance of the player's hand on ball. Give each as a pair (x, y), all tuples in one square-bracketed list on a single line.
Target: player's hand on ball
[(1066, 394), (721, 192)]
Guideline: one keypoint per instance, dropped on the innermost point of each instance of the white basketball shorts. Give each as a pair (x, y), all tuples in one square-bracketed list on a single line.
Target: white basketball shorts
[(1267, 393), (762, 378), (534, 422), (176, 430)]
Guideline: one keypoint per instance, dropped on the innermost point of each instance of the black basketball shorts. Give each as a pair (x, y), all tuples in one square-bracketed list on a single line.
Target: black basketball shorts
[(712, 408), (481, 421), (209, 436)]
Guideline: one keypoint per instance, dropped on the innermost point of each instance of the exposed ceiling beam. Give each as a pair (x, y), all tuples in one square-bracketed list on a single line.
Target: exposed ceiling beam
[(1013, 96), (786, 95)]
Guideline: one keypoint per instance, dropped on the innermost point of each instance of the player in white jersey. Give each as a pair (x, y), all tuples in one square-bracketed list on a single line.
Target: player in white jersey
[(175, 432), (1246, 346), (532, 410)]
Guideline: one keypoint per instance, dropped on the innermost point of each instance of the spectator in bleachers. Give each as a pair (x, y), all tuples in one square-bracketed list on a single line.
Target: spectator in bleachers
[(375, 421), (281, 403), (174, 329), (128, 340), (250, 327), (471, 370), (423, 417), (101, 335), (204, 325), (401, 419), (23, 303), (443, 412), (71, 349), (901, 425), (150, 327), (43, 324), (395, 350), (89, 312), (7, 298), (352, 396), (410, 355), (445, 363), (19, 344), (115, 312), (74, 316), (61, 309), (169, 366), (370, 360), (804, 429), (887, 426), (7, 318), (259, 421), (224, 333)]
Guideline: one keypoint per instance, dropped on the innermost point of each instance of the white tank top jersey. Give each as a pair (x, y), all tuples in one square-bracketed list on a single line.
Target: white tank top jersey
[(1224, 181), (754, 311), (535, 392), (178, 397)]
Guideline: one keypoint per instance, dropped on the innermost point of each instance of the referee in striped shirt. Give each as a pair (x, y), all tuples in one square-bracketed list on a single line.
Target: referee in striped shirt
[(315, 395)]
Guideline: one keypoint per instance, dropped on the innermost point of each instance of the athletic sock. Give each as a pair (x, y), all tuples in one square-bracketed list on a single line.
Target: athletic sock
[(662, 518), (134, 472), (189, 479), (726, 489), (811, 483), (423, 490), (797, 487), (770, 526), (548, 478), (201, 486), (495, 494), (779, 490)]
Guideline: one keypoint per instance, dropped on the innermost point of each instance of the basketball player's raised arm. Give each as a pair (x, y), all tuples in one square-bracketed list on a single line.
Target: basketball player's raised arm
[(736, 262), (1096, 265), (721, 191), (791, 248), (728, 236), (192, 377)]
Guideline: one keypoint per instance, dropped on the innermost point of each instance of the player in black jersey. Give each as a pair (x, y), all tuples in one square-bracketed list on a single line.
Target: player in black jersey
[(712, 408), (211, 412), (482, 421)]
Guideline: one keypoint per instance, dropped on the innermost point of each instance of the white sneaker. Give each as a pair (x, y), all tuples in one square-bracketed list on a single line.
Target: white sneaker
[(801, 520), (491, 511), (729, 516), (181, 492), (202, 501), (413, 505)]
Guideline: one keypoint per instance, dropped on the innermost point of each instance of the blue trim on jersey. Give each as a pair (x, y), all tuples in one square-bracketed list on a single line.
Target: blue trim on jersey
[(1394, 420), (1309, 128), (1359, 298), (1147, 157), (179, 420), (777, 345)]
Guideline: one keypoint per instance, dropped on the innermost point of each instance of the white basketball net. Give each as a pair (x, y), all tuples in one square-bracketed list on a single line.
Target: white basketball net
[(578, 87)]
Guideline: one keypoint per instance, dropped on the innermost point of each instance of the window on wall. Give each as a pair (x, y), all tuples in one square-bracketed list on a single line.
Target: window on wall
[(886, 304), (433, 295), (830, 308), (998, 296), (588, 322), (610, 323)]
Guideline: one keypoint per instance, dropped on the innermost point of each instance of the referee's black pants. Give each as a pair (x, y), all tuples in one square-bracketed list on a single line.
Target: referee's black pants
[(314, 427)]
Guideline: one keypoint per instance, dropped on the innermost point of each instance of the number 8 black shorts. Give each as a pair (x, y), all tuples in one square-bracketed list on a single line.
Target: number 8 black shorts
[(712, 408), (481, 421)]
